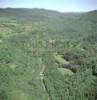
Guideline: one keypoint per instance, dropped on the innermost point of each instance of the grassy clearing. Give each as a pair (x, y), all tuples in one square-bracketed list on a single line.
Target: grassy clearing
[(60, 60), (65, 71)]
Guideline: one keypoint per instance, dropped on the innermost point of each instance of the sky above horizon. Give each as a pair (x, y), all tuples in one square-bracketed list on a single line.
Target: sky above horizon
[(60, 5)]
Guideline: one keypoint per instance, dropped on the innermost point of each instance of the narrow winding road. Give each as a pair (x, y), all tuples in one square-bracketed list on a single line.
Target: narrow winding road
[(42, 77)]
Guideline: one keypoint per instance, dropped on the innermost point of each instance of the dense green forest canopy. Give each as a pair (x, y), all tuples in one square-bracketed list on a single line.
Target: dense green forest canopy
[(47, 55)]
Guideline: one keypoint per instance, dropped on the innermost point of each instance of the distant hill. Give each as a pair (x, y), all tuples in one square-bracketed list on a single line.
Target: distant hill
[(63, 23)]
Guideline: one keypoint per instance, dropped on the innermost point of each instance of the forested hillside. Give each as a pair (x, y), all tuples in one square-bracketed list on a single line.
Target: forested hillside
[(47, 55)]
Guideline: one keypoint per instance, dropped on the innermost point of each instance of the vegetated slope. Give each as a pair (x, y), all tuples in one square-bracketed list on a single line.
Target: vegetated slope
[(29, 41)]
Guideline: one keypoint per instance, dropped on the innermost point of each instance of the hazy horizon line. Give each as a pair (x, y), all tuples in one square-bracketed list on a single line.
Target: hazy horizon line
[(47, 9)]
